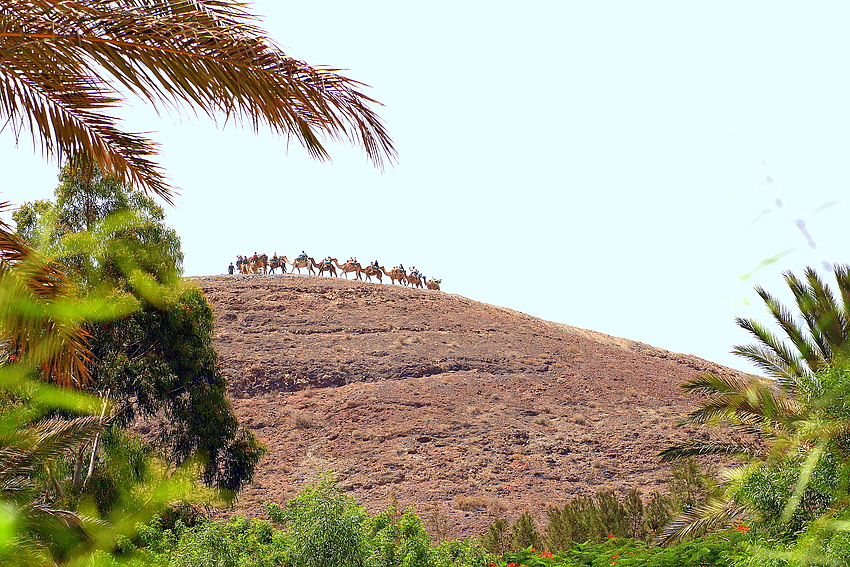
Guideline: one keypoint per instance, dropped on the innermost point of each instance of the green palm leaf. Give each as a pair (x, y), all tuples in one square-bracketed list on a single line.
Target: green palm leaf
[(713, 514), (700, 447)]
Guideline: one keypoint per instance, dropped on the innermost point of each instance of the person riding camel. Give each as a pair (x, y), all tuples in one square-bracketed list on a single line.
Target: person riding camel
[(302, 256), (255, 257), (274, 258), (375, 264)]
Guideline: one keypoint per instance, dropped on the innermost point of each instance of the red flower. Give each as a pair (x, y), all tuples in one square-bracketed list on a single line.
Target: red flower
[(610, 535), (545, 554), (742, 528)]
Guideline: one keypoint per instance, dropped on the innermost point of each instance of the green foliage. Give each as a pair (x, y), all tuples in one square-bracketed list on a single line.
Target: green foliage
[(399, 540), (158, 363), (636, 526), (496, 539), (320, 526), (690, 485), (524, 533), (462, 553), (100, 230), (598, 519), (328, 529), (657, 514), (819, 336), (709, 552)]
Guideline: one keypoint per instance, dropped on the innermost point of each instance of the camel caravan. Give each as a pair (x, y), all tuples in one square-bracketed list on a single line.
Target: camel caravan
[(261, 264)]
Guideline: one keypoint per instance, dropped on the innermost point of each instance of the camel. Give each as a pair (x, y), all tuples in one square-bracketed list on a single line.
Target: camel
[(432, 284), (349, 267), (259, 265), (371, 270), (279, 263), (325, 266), (415, 280), (395, 274), (299, 263)]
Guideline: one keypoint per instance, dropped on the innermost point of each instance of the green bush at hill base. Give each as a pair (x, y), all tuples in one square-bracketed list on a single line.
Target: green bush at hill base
[(323, 527)]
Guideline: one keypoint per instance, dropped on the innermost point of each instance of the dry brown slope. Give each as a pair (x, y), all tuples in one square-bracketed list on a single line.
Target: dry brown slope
[(436, 399)]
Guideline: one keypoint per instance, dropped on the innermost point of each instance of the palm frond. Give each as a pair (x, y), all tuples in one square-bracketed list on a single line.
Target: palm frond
[(772, 355), (738, 401), (842, 280), (830, 319), (58, 61), (807, 349), (23, 450), (35, 327), (715, 513), (700, 447)]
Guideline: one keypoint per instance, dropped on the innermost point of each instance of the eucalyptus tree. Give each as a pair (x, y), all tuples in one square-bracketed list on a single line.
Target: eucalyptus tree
[(157, 363)]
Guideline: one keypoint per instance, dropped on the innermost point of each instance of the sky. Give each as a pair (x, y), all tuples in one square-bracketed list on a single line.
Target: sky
[(597, 164)]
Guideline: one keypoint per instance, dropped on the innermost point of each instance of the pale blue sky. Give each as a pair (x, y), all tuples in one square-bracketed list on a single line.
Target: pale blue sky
[(590, 163)]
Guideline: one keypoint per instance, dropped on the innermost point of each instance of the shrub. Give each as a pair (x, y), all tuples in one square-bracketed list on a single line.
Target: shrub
[(524, 533), (399, 540), (328, 529), (497, 537)]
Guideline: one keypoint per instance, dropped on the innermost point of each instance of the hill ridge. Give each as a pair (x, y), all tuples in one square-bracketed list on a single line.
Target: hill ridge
[(437, 399)]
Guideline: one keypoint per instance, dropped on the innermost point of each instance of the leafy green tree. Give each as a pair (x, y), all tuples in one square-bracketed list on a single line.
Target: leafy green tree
[(328, 528), (101, 231), (634, 506), (399, 540), (157, 364), (62, 60), (613, 517)]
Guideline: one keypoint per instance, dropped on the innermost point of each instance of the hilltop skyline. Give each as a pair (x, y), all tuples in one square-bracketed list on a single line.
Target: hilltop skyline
[(591, 166)]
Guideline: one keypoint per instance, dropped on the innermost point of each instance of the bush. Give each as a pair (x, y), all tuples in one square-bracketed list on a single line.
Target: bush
[(328, 529)]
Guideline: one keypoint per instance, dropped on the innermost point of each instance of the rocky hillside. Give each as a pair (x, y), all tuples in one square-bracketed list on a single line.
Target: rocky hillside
[(464, 410)]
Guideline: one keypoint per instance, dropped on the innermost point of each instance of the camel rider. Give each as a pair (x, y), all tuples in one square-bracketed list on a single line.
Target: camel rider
[(375, 264), (302, 256), (274, 258), (401, 268), (255, 257)]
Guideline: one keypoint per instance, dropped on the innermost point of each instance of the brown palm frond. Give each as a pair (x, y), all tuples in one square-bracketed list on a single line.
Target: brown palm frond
[(34, 326), (59, 61), (715, 513)]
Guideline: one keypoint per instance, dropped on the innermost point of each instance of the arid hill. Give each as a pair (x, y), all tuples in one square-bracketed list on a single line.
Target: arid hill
[(464, 410)]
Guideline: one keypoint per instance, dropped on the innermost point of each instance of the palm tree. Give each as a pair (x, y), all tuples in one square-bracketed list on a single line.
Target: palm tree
[(26, 452), (61, 64), (762, 419), (817, 341), (768, 418)]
